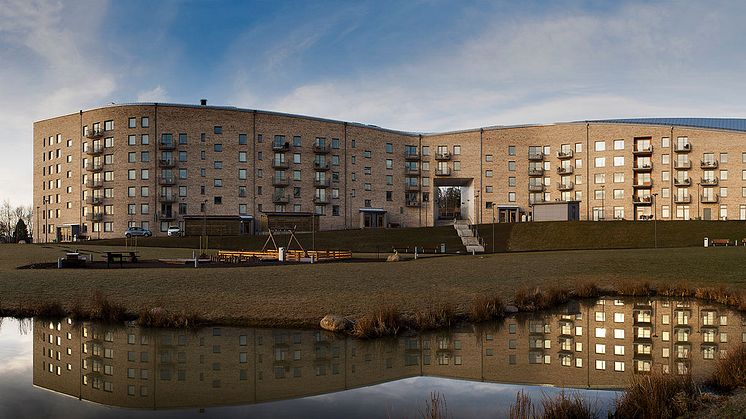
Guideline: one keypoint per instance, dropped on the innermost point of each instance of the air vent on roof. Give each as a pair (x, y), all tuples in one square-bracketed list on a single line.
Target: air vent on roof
[(203, 102)]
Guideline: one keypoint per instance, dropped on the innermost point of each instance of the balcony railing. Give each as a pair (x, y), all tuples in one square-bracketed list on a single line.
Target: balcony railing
[(321, 200), (411, 187), (167, 180), (409, 155), (322, 183), (643, 167), (682, 182), (642, 150), (642, 200), (534, 171), (168, 198), (643, 185), (166, 145), (94, 183), (443, 156), (94, 200), (280, 198), (167, 216), (98, 216), (564, 154), (709, 182), (321, 166), (535, 187), (280, 181), (94, 133), (535, 155), (565, 170), (413, 203), (682, 165), (708, 164), (320, 149), (682, 199), (566, 186), (94, 167), (167, 163), (710, 199), (280, 146), (280, 164), (682, 148), (443, 171), (411, 171), (94, 150)]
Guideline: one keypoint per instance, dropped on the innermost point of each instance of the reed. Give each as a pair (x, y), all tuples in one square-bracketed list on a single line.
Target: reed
[(730, 371), (658, 396), (384, 321), (523, 408), (435, 407), (486, 307)]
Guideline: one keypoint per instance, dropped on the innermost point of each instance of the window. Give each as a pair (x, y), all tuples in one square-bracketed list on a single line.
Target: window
[(488, 173), (145, 139), (665, 142), (511, 166), (578, 147), (218, 148), (600, 162), (456, 150), (389, 148), (600, 146), (511, 150), (511, 196), (108, 125), (619, 161), (618, 144), (296, 141), (217, 129), (242, 139), (242, 157)]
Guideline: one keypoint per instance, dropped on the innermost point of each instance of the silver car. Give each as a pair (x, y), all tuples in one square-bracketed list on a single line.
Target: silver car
[(174, 231), (137, 232)]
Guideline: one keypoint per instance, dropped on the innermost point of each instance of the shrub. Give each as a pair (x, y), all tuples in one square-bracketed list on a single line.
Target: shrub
[(658, 396), (485, 308), (730, 371)]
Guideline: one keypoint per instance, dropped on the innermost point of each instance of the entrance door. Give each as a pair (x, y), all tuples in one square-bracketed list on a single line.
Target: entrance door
[(707, 213), (373, 220)]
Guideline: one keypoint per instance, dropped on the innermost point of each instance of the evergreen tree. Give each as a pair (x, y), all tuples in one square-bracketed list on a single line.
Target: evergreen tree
[(21, 232)]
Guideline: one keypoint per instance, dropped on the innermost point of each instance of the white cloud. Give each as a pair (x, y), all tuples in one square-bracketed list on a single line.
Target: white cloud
[(156, 94)]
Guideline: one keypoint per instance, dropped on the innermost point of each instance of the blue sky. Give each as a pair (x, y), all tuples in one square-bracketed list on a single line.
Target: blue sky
[(425, 65)]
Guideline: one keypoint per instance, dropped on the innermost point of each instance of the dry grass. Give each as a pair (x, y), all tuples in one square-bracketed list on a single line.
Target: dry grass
[(158, 317), (523, 408), (730, 372), (537, 299), (562, 406), (436, 407), (433, 316), (485, 308), (658, 396), (382, 322)]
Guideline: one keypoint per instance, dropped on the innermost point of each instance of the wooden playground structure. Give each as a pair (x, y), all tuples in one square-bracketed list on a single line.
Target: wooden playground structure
[(282, 254)]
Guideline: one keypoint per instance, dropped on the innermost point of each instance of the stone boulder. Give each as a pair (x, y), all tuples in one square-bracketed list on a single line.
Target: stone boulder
[(393, 258), (335, 323)]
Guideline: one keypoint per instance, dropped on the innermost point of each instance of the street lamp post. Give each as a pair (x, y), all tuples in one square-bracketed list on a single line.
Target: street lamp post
[(603, 202), (655, 219), (46, 222), (492, 206), (203, 248), (698, 200), (37, 237)]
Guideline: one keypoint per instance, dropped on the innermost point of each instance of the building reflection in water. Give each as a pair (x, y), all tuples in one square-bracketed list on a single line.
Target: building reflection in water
[(598, 345)]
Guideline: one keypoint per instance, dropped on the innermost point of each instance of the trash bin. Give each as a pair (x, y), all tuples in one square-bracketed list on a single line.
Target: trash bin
[(707, 242), (281, 252)]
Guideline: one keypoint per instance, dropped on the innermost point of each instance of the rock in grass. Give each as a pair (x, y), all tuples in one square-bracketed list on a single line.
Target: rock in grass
[(335, 323), (393, 258), (511, 309)]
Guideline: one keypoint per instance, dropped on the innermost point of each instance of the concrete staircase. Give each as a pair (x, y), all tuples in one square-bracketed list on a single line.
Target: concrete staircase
[(470, 241)]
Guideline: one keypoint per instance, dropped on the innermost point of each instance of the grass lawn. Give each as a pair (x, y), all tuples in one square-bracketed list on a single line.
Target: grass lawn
[(299, 295)]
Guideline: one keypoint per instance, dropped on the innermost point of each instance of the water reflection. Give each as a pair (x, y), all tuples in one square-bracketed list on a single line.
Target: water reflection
[(599, 345)]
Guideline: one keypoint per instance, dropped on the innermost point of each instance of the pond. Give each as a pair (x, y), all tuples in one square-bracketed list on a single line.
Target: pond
[(63, 368)]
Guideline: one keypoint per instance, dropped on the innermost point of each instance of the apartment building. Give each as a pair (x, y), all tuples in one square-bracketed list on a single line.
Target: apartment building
[(98, 171), (600, 344)]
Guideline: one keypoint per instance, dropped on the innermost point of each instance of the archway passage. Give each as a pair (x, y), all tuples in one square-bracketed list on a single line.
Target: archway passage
[(449, 202)]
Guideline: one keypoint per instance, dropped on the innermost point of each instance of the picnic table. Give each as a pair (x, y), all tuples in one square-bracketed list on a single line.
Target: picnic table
[(112, 257)]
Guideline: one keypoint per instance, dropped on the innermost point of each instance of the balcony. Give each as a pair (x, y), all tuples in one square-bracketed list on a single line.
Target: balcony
[(643, 185), (710, 199), (564, 154), (321, 166), (642, 200), (167, 181), (535, 187), (535, 171), (280, 181), (280, 146), (322, 183), (166, 216), (94, 167), (411, 171), (643, 167), (443, 156), (280, 164), (682, 165), (280, 198), (321, 200), (537, 200), (411, 187), (94, 200), (642, 150), (94, 150), (166, 145), (535, 156), (92, 134), (411, 156), (708, 164), (567, 186), (94, 183), (682, 148), (709, 182), (413, 203), (682, 182), (682, 199), (168, 198), (320, 149), (98, 216), (166, 163), (446, 171), (564, 170)]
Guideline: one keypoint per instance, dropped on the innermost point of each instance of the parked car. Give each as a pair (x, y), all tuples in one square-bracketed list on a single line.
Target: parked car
[(174, 231), (137, 231)]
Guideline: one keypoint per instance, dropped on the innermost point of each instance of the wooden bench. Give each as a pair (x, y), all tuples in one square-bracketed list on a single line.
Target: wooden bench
[(721, 242), (400, 249), (112, 257)]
